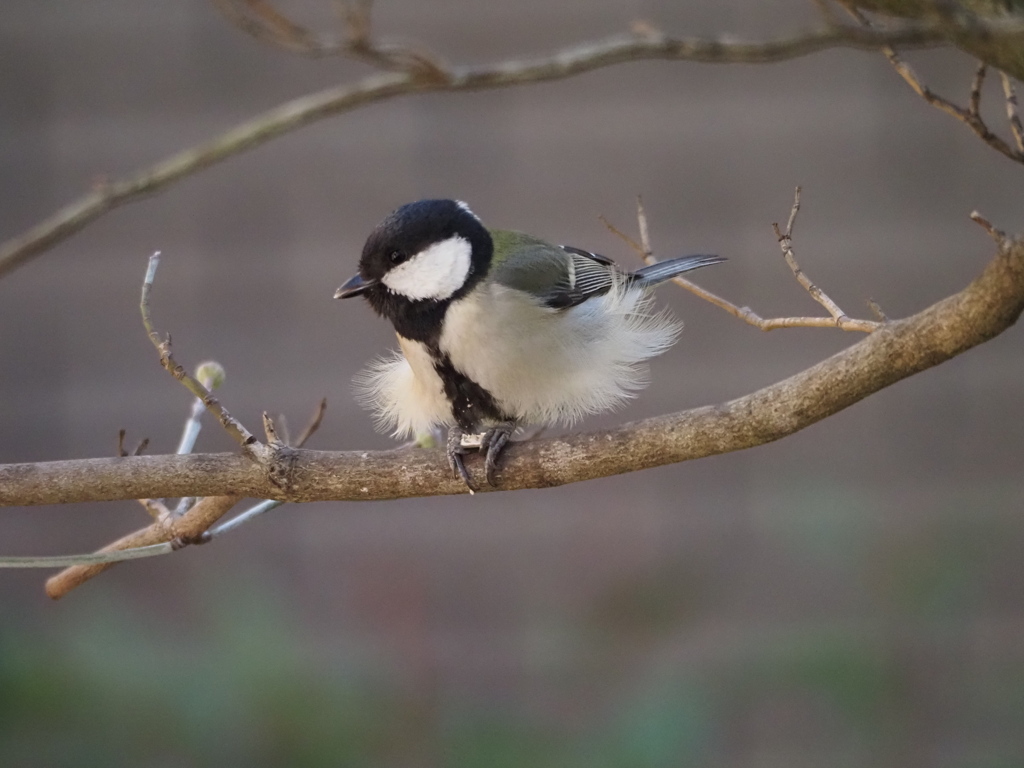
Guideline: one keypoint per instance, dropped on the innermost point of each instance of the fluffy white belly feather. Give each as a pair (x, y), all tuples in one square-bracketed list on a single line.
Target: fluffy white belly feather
[(404, 391), (542, 366), (548, 366)]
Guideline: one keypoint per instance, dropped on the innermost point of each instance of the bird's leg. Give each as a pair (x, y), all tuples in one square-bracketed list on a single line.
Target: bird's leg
[(493, 442), (456, 450)]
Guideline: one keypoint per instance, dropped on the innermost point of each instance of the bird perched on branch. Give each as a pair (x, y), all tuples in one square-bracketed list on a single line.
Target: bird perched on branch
[(498, 329)]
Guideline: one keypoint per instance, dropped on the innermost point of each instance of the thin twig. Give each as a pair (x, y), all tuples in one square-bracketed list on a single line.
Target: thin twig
[(241, 519), (313, 425), (270, 430), (262, 21), (177, 532), (93, 558), (786, 244), (189, 435), (974, 100), (211, 375), (282, 429), (746, 314), (877, 310), (356, 18), (268, 504), (646, 249), (996, 234), (969, 116), (154, 508), (562, 64), (231, 425), (1011, 111), (193, 425)]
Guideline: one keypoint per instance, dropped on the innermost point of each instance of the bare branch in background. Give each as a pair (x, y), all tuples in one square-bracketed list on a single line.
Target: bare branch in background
[(969, 115), (356, 18), (1011, 111), (262, 21), (411, 78)]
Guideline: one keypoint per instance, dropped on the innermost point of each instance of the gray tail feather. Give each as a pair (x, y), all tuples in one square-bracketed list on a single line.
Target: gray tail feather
[(666, 270)]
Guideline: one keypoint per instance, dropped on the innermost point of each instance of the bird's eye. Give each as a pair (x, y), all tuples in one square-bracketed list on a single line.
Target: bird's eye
[(396, 257)]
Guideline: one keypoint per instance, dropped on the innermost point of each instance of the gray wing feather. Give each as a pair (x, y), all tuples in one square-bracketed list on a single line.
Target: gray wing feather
[(562, 276), (665, 270)]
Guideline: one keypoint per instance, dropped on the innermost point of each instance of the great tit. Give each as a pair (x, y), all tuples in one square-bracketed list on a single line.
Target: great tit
[(498, 329)]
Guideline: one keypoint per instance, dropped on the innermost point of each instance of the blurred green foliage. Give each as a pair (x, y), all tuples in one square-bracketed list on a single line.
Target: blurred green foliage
[(650, 674)]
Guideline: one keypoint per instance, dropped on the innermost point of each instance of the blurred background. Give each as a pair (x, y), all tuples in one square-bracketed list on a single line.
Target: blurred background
[(849, 596)]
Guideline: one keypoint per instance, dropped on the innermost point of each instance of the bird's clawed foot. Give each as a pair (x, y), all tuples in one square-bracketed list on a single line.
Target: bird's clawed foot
[(491, 443), (456, 450)]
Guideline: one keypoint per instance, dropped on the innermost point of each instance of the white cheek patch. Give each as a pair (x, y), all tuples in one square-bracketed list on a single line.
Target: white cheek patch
[(434, 273)]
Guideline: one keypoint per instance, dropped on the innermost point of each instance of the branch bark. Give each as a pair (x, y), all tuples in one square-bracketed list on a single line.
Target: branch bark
[(183, 529), (566, 63), (1002, 52), (900, 348)]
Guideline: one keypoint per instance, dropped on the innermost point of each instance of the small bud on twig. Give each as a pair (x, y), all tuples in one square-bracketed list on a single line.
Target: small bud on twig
[(211, 374)]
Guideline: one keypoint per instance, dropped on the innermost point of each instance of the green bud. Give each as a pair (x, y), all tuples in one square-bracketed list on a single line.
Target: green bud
[(211, 374), (425, 440)]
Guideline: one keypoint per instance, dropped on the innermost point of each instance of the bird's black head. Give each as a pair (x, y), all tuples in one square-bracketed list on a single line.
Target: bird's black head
[(417, 261)]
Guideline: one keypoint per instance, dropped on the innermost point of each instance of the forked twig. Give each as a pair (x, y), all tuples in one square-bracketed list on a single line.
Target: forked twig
[(355, 15), (261, 20), (267, 504), (231, 425), (154, 507), (786, 244), (838, 319), (169, 532), (970, 115)]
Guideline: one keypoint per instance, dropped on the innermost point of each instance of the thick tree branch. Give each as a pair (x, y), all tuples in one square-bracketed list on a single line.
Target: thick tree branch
[(566, 63), (1004, 52), (901, 348), (169, 533)]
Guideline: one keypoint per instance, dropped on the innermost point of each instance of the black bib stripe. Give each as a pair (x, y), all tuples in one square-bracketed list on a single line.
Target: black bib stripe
[(472, 405)]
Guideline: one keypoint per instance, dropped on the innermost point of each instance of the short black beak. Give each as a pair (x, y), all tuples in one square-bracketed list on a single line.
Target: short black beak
[(354, 286)]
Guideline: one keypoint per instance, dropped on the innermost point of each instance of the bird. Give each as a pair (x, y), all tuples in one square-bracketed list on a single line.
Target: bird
[(498, 329)]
